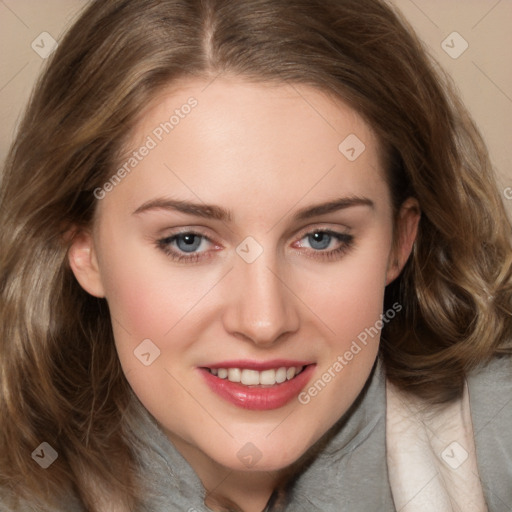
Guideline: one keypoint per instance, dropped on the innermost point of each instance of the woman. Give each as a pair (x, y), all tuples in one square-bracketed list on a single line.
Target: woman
[(212, 212)]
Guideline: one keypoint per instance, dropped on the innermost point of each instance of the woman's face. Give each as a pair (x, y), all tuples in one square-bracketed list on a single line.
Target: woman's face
[(250, 240)]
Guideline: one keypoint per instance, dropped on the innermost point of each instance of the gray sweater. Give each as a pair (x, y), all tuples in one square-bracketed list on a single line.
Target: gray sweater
[(349, 474)]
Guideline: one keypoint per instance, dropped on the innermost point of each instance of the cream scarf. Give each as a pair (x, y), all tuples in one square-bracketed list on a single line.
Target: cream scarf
[(431, 456)]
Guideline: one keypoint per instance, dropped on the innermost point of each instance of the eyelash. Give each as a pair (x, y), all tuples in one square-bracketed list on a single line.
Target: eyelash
[(346, 241), (165, 245)]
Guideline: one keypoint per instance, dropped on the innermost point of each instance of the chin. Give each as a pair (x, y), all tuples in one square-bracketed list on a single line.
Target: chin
[(261, 455)]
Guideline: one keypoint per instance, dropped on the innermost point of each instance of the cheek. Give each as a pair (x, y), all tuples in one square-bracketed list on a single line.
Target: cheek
[(147, 306), (137, 302), (349, 296), (146, 296), (150, 299), (350, 304)]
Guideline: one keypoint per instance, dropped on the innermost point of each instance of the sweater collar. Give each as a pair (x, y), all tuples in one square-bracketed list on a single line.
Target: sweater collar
[(336, 471)]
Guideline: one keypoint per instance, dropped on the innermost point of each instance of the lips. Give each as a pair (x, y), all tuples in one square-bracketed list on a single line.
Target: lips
[(258, 385)]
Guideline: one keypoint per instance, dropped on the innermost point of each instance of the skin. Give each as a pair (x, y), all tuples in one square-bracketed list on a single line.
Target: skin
[(263, 152)]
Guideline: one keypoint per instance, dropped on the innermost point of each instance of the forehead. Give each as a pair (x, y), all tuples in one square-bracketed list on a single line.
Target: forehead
[(231, 140)]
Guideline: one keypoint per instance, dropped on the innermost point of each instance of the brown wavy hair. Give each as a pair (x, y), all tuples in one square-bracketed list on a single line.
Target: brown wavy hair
[(61, 381)]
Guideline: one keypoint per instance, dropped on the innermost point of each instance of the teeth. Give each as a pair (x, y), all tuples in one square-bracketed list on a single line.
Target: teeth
[(234, 375), (268, 377), (250, 377), (281, 375), (255, 378)]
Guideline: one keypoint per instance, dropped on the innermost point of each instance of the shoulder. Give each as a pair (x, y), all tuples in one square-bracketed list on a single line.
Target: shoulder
[(490, 397)]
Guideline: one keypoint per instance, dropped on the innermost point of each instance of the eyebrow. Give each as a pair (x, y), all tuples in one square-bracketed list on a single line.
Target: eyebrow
[(209, 211), (200, 210), (332, 206)]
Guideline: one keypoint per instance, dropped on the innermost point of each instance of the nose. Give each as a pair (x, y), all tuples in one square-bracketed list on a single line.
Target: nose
[(262, 308)]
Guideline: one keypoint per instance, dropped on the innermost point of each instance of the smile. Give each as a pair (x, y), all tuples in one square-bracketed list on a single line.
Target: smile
[(255, 378), (262, 386)]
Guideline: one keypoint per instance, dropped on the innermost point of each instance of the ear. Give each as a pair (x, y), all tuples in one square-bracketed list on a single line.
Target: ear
[(406, 230), (84, 264)]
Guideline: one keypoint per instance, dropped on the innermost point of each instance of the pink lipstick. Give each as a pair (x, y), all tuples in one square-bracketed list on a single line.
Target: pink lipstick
[(258, 385)]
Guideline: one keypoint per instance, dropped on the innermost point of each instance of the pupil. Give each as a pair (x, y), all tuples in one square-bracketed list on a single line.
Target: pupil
[(319, 240), (188, 243)]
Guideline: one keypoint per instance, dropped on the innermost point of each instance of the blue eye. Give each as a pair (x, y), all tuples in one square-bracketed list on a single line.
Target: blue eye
[(187, 246), (325, 244), (188, 242), (322, 239), (191, 247), (319, 240)]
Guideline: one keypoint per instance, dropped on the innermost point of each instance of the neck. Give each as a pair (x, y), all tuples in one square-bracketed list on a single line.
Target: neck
[(228, 489), (240, 491)]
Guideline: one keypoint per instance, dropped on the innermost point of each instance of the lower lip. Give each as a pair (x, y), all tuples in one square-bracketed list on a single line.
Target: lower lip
[(258, 398)]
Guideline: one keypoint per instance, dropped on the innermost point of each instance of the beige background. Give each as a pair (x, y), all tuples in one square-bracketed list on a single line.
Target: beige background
[(483, 72)]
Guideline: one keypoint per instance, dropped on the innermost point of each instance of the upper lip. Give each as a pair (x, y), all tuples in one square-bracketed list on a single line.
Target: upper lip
[(258, 365)]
